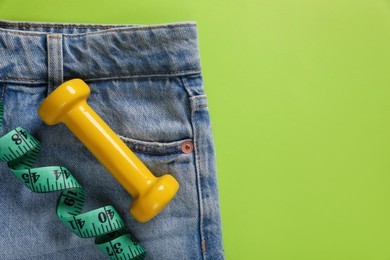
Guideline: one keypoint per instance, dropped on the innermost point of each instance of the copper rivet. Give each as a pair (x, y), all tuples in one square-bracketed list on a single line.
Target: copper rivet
[(187, 147)]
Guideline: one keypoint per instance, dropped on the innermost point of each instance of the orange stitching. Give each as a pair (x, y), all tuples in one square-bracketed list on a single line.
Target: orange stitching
[(81, 26), (204, 246), (89, 26)]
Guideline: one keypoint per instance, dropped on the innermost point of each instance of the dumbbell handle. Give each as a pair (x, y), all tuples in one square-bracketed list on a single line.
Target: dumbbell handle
[(67, 104), (108, 148)]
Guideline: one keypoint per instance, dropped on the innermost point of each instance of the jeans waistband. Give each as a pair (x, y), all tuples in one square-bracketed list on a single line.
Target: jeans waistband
[(92, 51)]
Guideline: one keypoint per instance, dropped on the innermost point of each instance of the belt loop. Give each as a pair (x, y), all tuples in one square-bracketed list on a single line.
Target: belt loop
[(54, 61)]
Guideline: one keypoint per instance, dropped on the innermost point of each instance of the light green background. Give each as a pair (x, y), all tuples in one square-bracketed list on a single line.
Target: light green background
[(299, 95)]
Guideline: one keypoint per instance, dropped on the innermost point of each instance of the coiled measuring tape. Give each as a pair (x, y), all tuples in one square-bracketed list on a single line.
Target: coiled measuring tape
[(20, 150)]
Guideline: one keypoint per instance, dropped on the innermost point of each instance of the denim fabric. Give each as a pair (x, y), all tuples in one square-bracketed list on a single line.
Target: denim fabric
[(146, 83)]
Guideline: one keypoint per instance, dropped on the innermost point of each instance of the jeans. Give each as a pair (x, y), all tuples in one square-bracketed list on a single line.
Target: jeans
[(146, 84)]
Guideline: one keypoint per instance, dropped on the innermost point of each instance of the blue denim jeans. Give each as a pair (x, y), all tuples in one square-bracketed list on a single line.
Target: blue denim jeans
[(146, 83)]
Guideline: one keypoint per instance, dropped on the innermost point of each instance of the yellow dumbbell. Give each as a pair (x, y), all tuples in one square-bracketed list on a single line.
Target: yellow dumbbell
[(67, 104)]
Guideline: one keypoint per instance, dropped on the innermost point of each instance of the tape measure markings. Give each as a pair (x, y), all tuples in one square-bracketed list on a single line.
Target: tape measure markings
[(19, 150), (116, 248)]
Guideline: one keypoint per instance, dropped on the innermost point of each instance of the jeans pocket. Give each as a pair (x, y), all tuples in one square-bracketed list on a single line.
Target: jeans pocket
[(152, 115), (153, 110)]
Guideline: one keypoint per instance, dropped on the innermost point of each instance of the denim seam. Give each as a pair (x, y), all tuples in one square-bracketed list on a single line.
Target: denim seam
[(153, 143), (185, 86), (138, 150), (197, 169), (146, 74), (200, 197), (50, 63), (125, 29), (146, 147), (23, 33), (23, 79), (109, 29), (60, 59), (55, 61), (87, 26)]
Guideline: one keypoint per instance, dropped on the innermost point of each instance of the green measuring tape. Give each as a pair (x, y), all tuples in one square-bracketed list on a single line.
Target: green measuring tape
[(20, 150)]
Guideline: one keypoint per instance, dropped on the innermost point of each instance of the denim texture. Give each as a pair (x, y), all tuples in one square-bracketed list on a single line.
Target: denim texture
[(146, 83)]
